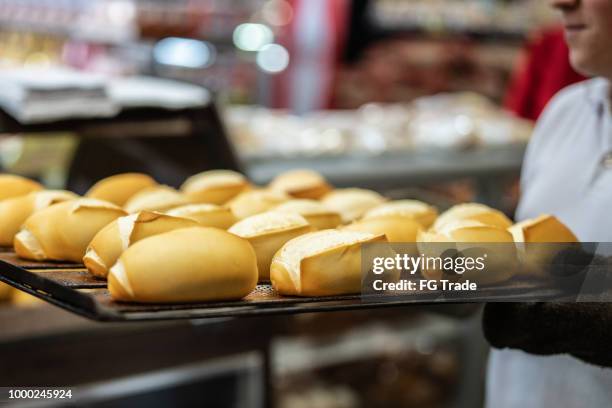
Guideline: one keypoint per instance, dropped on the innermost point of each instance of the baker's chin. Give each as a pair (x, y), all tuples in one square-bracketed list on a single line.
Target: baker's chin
[(582, 62)]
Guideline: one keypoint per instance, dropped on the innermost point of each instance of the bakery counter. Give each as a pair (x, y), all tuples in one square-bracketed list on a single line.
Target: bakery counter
[(399, 170)]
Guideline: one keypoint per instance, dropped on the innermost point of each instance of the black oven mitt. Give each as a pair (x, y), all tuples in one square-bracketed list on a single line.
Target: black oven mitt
[(583, 330)]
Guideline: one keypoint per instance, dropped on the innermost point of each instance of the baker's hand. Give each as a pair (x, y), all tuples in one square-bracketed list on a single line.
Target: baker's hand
[(583, 330)]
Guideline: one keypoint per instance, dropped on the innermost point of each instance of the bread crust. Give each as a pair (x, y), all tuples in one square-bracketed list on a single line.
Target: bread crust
[(214, 186), (333, 271), (62, 231), (112, 240), (118, 189), (197, 264), (14, 211), (14, 186)]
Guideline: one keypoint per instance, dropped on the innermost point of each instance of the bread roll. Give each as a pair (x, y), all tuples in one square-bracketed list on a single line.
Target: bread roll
[(110, 242), (421, 212), (545, 228), (267, 232), (539, 240), (158, 198), (207, 215), (475, 212), (14, 211), (6, 292), (321, 263), (469, 238), (352, 203), (215, 186), (255, 202), (118, 189), (63, 231), (398, 229), (301, 183), (15, 186), (187, 265), (317, 214), (23, 299)]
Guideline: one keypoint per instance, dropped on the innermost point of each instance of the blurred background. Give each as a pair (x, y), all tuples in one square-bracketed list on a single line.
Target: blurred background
[(429, 99)]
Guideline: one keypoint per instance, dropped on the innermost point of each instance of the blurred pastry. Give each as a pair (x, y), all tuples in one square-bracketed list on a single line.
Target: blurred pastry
[(267, 232), (396, 229), (255, 202), (215, 186), (118, 189), (112, 240), (63, 231), (352, 203), (475, 212), (207, 215), (197, 264), (462, 239), (301, 183), (6, 292), (545, 228), (14, 211), (15, 186), (157, 198), (421, 212), (539, 240), (316, 213)]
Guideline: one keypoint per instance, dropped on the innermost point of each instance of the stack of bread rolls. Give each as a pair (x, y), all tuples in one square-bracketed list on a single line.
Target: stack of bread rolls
[(218, 235)]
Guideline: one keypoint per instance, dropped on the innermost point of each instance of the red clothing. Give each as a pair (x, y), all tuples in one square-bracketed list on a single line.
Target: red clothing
[(544, 72)]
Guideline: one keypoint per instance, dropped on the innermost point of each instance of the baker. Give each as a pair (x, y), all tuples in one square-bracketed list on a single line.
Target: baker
[(552, 354)]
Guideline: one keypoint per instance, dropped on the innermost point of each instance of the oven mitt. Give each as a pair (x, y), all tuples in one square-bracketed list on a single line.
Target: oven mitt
[(583, 330)]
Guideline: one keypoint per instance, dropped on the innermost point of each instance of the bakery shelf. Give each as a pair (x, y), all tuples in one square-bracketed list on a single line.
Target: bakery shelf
[(75, 290)]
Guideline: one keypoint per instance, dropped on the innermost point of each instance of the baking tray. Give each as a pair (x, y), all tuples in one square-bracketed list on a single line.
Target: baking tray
[(71, 287)]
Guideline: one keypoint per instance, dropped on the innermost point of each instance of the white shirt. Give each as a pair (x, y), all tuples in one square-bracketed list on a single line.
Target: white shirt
[(566, 174)]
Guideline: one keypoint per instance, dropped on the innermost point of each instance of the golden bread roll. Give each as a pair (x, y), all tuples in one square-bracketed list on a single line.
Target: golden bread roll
[(63, 231), (6, 292), (255, 202), (215, 186), (187, 265), (322, 263), (158, 198), (15, 186), (118, 189), (352, 203), (207, 215), (421, 212), (475, 212), (317, 214), (400, 229), (14, 211), (539, 240), (545, 228), (268, 232), (25, 300), (469, 238), (301, 183), (110, 242)]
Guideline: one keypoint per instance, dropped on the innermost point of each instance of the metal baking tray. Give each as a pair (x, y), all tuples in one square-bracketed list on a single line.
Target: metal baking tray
[(71, 287)]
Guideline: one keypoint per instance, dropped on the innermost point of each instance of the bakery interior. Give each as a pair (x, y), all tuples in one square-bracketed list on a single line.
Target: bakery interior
[(432, 100)]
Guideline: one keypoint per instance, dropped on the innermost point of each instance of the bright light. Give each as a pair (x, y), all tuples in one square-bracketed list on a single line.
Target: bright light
[(252, 37), (273, 58), (183, 52), (120, 12)]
